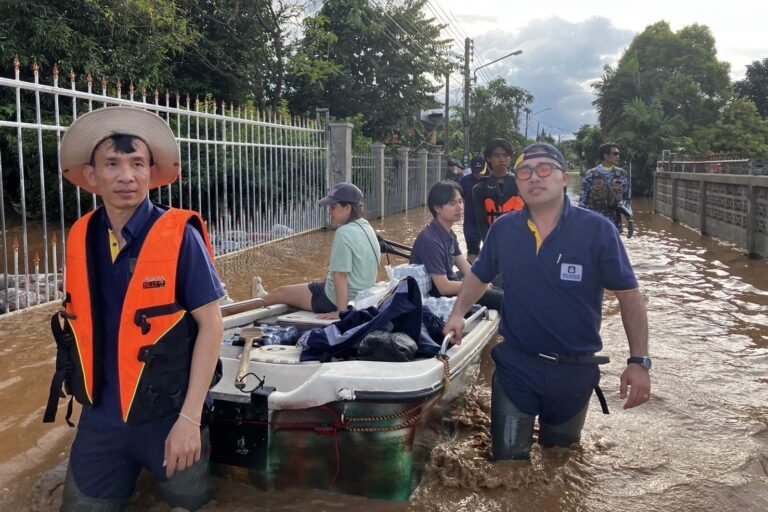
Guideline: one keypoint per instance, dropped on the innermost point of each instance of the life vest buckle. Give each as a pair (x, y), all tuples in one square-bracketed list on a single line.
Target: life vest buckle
[(141, 321)]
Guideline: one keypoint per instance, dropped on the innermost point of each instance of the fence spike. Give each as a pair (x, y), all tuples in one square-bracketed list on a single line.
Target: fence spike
[(15, 244), (131, 88), (54, 240), (36, 259), (104, 84), (72, 75), (89, 79), (55, 71), (17, 64), (35, 68)]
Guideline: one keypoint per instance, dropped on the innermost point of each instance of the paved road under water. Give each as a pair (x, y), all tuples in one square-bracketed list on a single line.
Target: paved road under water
[(700, 444)]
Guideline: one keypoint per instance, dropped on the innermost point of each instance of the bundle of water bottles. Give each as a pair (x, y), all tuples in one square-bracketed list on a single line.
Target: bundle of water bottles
[(276, 335), (273, 335), (439, 306)]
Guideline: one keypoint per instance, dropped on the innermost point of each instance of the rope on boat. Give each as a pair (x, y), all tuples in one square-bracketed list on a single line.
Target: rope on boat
[(416, 410)]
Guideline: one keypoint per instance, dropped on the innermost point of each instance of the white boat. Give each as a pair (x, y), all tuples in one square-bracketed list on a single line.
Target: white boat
[(349, 426)]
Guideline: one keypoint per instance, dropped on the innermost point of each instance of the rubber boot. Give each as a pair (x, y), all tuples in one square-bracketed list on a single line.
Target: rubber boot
[(511, 429), (564, 434), (75, 501)]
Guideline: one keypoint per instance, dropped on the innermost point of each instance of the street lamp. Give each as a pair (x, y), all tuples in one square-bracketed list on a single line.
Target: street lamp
[(529, 114), (474, 74), (468, 85)]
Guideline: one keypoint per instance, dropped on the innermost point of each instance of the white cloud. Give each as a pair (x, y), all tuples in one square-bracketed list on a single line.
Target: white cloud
[(560, 59)]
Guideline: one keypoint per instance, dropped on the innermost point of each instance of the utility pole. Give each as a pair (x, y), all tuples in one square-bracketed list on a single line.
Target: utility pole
[(527, 115), (446, 144), (467, 85)]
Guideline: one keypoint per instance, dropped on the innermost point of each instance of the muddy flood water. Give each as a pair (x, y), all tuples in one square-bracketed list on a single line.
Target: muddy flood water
[(700, 444)]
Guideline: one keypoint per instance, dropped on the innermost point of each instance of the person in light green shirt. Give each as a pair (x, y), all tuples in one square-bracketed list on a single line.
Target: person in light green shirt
[(355, 258)]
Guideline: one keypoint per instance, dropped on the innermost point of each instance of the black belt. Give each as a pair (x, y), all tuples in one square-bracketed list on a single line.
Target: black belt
[(552, 358), (591, 358)]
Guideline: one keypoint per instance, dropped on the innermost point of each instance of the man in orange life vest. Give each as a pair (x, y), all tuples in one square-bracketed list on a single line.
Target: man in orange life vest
[(496, 194), (142, 327)]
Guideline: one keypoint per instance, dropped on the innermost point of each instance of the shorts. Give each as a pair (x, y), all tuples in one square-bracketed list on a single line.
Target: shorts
[(106, 461), (320, 301)]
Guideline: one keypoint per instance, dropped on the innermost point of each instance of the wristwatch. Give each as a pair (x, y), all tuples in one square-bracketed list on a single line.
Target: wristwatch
[(645, 362)]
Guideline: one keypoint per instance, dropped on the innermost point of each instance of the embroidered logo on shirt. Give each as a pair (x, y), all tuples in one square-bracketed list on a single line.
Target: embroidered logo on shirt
[(570, 272), (154, 282)]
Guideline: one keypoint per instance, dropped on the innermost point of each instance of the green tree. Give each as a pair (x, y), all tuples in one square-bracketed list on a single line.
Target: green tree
[(586, 146), (496, 111), (680, 70), (127, 40), (242, 50), (741, 130), (642, 132), (755, 85), (383, 58)]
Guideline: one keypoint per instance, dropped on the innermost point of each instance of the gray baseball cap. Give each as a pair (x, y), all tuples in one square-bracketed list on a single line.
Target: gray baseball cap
[(342, 193)]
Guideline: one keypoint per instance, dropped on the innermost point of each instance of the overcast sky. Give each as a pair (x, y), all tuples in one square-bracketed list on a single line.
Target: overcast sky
[(566, 44)]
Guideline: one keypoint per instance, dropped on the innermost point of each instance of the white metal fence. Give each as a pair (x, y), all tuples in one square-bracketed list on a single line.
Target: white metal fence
[(253, 176)]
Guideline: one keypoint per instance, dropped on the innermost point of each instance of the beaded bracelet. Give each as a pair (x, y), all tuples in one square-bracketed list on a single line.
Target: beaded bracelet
[(181, 414)]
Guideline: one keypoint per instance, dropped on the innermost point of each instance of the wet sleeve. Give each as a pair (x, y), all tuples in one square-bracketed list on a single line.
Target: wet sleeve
[(486, 265), (617, 272), (456, 250), (197, 282)]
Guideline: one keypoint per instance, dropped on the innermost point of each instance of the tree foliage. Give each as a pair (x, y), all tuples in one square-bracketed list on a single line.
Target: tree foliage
[(496, 110), (586, 145), (379, 61), (741, 130), (643, 130), (129, 40), (754, 87)]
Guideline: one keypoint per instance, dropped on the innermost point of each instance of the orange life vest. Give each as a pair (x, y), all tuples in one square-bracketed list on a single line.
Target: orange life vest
[(494, 211), (156, 336)]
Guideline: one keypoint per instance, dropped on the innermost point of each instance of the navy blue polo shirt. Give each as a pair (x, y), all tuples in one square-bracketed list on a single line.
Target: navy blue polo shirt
[(553, 295), (197, 285), (435, 248)]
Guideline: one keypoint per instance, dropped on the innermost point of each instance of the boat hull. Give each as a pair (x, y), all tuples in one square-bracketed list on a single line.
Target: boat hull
[(371, 436)]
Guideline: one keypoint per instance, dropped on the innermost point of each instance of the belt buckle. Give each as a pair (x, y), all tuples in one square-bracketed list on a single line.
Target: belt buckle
[(549, 358)]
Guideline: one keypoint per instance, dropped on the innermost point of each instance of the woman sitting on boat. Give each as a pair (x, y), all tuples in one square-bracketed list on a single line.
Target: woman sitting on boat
[(355, 258)]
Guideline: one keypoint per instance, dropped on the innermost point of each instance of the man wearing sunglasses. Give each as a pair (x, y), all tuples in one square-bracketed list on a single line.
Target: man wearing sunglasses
[(556, 261), (606, 187)]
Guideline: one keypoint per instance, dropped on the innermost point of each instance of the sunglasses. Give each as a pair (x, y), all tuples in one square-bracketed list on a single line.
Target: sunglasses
[(615, 153), (542, 170)]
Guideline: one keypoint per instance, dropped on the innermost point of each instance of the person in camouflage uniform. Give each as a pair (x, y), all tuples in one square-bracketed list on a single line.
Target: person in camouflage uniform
[(606, 186)]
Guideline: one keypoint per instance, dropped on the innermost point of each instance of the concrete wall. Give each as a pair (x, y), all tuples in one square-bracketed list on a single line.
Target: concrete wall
[(733, 208)]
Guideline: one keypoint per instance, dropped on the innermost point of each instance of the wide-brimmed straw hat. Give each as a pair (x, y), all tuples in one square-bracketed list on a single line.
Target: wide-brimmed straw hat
[(87, 131)]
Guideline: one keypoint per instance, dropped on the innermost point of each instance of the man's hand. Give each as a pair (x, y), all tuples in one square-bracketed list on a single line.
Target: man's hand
[(637, 379), (454, 324), (182, 446), (334, 315)]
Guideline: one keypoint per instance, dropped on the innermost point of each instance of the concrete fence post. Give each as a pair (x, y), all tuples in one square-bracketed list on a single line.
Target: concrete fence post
[(340, 153), (377, 148), (703, 207), (751, 227), (402, 155), (424, 159)]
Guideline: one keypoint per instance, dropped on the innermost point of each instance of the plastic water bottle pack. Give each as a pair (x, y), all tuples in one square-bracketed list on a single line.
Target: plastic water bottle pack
[(440, 306), (276, 335)]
